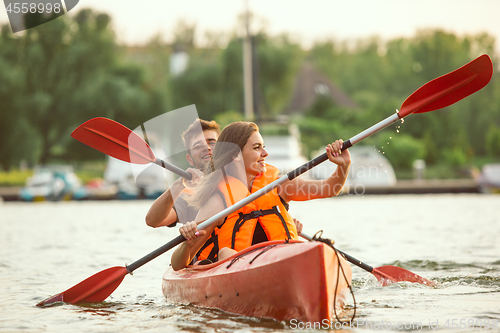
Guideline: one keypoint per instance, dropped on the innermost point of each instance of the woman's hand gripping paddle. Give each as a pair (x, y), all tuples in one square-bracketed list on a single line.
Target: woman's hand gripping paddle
[(438, 93)]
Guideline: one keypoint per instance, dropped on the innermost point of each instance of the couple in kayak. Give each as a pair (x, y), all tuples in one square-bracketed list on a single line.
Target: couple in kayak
[(234, 168)]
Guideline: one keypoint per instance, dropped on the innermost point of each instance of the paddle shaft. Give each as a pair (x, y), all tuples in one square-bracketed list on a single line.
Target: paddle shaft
[(168, 246), (173, 168), (352, 260), (385, 274)]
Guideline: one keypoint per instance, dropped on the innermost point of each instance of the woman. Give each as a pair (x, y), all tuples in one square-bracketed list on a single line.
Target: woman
[(238, 169)]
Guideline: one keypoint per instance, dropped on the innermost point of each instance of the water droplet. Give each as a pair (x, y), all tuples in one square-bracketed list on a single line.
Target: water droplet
[(390, 137), (379, 151), (383, 153), (397, 131), (387, 142), (402, 120)]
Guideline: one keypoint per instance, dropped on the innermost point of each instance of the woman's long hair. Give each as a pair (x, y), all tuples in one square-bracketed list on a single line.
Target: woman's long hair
[(229, 144)]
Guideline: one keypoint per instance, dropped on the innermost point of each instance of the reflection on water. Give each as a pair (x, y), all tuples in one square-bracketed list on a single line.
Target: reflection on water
[(45, 248)]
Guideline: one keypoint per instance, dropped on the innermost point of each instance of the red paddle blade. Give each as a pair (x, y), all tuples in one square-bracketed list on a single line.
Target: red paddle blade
[(387, 275), (93, 289), (115, 140), (449, 88)]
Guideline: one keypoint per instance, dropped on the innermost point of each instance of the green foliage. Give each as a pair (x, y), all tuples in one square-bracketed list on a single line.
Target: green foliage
[(62, 73), (226, 118), (214, 78), (58, 75), (493, 141), (318, 132), (279, 60), (89, 171), (380, 75), (431, 155), (402, 150), (86, 172), (455, 157), (14, 177)]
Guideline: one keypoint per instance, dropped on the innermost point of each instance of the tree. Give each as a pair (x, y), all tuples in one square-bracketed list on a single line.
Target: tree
[(379, 76), (279, 60), (13, 133), (71, 70)]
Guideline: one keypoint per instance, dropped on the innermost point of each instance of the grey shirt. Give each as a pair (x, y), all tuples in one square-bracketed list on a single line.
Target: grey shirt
[(185, 212)]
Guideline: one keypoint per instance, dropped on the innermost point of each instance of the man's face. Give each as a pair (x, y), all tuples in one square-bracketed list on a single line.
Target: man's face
[(201, 149)]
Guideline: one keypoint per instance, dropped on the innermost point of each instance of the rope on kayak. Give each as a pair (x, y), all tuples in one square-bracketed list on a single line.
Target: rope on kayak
[(262, 249), (329, 242), (262, 252)]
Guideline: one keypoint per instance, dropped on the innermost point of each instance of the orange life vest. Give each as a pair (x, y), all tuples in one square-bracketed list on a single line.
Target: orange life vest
[(210, 249), (269, 210)]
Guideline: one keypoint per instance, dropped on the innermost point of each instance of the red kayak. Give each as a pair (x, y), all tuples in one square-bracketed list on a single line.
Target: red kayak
[(278, 280)]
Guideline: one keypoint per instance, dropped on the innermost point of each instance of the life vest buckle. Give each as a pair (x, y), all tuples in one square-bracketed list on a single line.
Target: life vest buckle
[(255, 214)]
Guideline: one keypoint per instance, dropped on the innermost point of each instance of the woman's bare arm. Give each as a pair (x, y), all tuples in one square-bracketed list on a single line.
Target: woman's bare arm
[(300, 189), (196, 238)]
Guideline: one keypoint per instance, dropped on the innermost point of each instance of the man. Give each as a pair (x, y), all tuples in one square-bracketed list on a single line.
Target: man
[(199, 147)]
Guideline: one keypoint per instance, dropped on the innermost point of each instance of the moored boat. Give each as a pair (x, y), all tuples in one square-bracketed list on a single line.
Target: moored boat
[(51, 182), (277, 280), (489, 180)]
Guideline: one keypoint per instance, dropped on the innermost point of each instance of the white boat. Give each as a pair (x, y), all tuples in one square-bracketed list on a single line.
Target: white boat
[(369, 169), (148, 182), (51, 182), (489, 180), (284, 149), (96, 189)]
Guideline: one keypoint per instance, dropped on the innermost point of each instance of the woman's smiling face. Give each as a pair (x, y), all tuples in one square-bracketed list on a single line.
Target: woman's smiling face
[(254, 155)]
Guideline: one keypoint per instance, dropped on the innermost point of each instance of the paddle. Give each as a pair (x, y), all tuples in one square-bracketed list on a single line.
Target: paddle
[(120, 142), (435, 94), (386, 275)]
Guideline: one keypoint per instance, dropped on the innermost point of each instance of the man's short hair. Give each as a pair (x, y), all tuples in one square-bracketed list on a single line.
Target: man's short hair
[(194, 128)]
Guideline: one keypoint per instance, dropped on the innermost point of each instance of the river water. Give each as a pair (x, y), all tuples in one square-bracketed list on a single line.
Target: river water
[(45, 248)]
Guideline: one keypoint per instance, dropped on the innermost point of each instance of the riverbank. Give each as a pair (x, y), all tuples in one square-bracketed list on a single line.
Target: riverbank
[(428, 186)]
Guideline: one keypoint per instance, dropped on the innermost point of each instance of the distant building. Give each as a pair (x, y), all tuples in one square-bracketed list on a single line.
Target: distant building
[(311, 84)]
